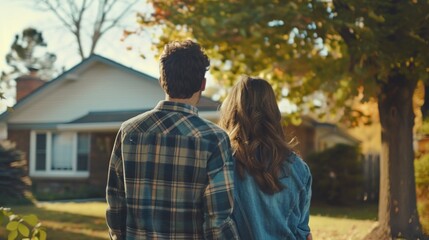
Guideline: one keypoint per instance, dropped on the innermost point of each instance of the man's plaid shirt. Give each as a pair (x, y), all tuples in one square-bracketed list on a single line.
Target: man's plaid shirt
[(170, 177)]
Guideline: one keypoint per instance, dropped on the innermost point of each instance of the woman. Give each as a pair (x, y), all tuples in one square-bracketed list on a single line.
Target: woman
[(272, 183)]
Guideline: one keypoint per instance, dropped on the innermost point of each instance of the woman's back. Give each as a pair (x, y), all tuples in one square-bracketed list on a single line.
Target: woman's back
[(283, 215), (272, 184)]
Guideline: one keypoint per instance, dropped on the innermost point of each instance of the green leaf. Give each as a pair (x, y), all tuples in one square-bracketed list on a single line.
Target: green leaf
[(31, 219), (1, 217), (11, 226), (12, 235), (35, 232), (42, 235), (23, 230)]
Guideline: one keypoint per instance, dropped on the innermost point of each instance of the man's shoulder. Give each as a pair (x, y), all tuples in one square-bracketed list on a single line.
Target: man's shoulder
[(195, 125), (138, 119), (207, 127)]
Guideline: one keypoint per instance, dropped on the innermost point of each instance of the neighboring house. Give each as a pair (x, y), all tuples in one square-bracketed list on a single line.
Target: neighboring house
[(313, 136), (67, 126), (328, 135)]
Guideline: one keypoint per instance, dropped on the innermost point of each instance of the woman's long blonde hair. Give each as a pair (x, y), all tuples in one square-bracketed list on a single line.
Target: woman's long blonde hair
[(251, 117)]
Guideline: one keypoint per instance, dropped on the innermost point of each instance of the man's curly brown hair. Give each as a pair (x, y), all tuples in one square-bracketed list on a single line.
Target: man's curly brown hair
[(182, 68)]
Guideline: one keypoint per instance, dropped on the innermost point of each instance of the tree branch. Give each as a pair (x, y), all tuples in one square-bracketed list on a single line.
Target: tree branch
[(105, 9), (118, 17), (73, 16), (78, 22), (55, 11)]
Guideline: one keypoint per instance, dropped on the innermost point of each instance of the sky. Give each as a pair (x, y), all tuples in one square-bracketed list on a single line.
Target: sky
[(16, 15), (19, 14)]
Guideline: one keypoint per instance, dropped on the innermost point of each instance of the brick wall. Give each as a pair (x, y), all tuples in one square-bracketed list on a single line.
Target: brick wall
[(27, 84), (94, 185), (101, 148), (21, 139)]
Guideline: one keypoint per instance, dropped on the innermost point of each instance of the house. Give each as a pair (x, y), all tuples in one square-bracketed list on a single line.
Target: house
[(314, 136), (67, 126)]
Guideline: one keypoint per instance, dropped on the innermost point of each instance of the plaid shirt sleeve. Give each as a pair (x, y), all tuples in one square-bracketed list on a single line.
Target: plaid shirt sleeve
[(218, 196), (116, 213)]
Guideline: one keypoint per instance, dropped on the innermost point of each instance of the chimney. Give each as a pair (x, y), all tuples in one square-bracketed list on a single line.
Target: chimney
[(26, 84)]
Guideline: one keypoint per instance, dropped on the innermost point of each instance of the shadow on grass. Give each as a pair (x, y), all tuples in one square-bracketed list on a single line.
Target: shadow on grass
[(363, 211), (63, 225), (85, 221)]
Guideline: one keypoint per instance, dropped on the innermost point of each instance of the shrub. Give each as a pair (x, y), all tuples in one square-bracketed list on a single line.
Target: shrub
[(337, 174), (421, 166), (25, 227), (14, 181)]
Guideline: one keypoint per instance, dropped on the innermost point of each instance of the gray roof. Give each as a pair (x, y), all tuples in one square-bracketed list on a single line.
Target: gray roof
[(206, 104), (108, 116), (123, 115)]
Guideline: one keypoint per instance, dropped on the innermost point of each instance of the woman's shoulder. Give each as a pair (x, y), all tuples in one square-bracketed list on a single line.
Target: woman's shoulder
[(298, 164)]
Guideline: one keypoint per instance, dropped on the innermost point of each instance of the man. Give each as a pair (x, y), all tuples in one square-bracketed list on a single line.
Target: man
[(171, 172)]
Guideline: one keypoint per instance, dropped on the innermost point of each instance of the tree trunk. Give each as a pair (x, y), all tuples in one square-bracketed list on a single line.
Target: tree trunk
[(398, 216)]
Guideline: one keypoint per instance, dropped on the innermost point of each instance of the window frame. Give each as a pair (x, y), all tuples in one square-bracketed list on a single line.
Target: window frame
[(48, 172)]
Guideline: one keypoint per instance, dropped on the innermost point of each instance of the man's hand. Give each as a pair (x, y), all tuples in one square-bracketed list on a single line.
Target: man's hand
[(309, 237)]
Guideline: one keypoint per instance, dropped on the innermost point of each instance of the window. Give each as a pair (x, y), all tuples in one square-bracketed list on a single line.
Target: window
[(41, 152), (62, 154), (83, 151), (62, 151)]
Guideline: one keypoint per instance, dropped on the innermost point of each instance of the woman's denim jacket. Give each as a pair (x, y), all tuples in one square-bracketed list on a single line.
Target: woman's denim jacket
[(284, 215)]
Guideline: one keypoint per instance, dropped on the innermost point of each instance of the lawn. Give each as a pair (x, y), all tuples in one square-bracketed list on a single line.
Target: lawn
[(85, 220), (342, 223)]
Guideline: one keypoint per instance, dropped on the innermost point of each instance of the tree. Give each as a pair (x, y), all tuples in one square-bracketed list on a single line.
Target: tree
[(85, 16), (373, 49), (25, 54)]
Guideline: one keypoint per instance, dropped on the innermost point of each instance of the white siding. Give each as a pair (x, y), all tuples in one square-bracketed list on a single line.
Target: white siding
[(328, 137), (100, 88)]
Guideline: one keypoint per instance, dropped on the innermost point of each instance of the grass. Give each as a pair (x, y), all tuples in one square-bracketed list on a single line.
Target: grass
[(342, 223), (85, 220), (329, 228), (68, 220)]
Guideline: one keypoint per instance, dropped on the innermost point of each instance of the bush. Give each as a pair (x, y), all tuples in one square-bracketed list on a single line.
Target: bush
[(26, 227), (14, 181), (421, 166), (337, 174)]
